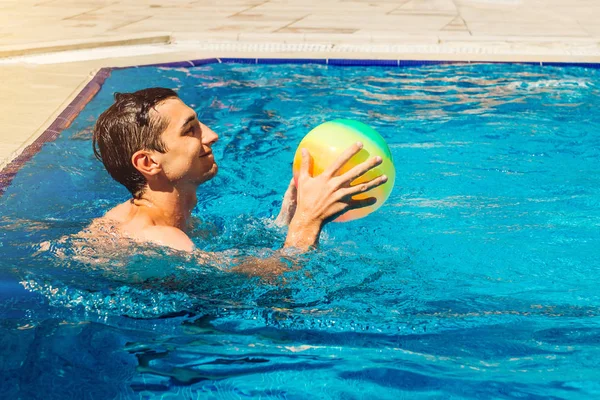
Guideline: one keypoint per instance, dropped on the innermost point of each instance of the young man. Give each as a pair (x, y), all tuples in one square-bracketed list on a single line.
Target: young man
[(153, 144)]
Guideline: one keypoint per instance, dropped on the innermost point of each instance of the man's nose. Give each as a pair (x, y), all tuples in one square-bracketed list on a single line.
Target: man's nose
[(210, 138)]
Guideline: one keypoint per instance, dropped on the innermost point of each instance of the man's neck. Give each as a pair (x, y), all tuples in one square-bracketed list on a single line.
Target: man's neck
[(172, 208)]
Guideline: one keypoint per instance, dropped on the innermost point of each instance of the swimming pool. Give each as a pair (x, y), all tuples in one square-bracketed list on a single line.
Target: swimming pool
[(478, 278)]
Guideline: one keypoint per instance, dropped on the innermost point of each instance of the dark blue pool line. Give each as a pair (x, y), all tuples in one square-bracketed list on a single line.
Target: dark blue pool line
[(65, 119)]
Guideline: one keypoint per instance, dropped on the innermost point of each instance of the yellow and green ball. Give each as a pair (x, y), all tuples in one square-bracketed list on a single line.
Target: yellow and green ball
[(327, 142)]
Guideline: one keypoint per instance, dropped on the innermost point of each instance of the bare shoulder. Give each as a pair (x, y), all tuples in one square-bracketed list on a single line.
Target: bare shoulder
[(108, 224), (169, 236), (119, 213), (102, 230), (124, 224)]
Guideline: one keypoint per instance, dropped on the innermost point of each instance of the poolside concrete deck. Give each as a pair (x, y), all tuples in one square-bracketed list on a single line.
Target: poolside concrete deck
[(37, 88)]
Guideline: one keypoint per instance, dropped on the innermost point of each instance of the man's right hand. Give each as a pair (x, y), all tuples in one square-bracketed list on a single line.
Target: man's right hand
[(323, 198)]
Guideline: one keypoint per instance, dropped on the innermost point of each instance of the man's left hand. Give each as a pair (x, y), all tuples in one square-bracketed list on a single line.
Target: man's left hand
[(288, 206)]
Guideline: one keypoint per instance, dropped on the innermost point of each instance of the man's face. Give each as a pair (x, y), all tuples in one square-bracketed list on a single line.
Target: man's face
[(189, 157)]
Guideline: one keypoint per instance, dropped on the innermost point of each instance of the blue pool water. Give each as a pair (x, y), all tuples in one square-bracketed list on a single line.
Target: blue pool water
[(477, 279)]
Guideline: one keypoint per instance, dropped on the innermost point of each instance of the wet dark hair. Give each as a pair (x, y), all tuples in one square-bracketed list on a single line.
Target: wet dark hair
[(127, 126)]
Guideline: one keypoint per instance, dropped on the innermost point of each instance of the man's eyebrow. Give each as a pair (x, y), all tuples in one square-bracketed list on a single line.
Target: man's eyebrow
[(189, 119)]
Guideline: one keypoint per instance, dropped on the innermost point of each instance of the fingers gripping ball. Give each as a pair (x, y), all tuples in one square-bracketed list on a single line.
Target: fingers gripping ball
[(326, 142)]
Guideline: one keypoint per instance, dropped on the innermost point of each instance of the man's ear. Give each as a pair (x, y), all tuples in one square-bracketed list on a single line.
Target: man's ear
[(145, 162)]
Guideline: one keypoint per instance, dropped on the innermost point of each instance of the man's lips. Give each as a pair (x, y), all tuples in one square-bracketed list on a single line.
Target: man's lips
[(206, 154)]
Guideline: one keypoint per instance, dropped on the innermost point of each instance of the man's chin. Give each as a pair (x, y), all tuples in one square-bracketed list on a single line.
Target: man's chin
[(213, 171), (210, 174)]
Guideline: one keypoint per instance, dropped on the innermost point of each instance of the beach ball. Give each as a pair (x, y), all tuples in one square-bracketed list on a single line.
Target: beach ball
[(327, 142)]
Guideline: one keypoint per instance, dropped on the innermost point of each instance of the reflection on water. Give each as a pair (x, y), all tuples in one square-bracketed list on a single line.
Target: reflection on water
[(478, 278)]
